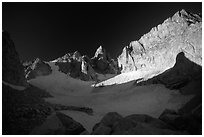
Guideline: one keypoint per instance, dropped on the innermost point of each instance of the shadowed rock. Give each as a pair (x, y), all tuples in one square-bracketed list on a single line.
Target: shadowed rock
[(177, 77), (59, 124), (12, 69), (114, 124)]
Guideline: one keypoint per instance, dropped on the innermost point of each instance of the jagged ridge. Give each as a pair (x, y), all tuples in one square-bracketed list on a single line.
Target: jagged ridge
[(157, 49)]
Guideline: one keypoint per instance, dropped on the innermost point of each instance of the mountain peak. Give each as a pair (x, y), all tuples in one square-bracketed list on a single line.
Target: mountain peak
[(100, 51), (182, 32), (184, 16)]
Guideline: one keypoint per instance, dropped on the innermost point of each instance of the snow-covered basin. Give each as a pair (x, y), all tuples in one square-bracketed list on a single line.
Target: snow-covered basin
[(124, 98)]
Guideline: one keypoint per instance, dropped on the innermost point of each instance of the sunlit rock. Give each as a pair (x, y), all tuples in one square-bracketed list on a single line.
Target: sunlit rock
[(157, 50)]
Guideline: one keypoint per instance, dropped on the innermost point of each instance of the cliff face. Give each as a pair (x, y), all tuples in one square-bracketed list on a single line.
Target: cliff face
[(157, 50), (12, 69)]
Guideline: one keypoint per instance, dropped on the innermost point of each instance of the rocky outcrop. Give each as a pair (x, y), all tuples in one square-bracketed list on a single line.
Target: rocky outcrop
[(76, 66), (38, 68), (137, 124), (12, 69), (103, 63), (157, 50)]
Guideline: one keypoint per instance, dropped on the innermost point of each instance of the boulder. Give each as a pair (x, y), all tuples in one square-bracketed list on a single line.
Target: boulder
[(142, 118), (169, 116), (110, 119), (136, 124), (59, 124), (102, 130), (38, 68), (189, 122), (12, 69), (146, 129)]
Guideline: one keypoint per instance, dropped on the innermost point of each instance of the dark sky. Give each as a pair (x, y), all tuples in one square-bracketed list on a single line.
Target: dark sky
[(50, 30)]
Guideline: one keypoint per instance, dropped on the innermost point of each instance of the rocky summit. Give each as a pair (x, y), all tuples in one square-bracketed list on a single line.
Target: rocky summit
[(157, 50)]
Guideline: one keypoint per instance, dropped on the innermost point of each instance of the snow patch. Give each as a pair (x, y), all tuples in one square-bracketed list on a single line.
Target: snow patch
[(14, 86), (127, 77)]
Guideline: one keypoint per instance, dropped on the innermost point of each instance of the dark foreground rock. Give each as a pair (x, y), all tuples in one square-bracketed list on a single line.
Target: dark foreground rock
[(190, 122), (59, 124), (137, 124), (22, 110), (25, 110), (12, 69)]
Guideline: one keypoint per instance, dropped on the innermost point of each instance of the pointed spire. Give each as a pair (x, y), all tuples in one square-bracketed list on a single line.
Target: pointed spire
[(100, 51)]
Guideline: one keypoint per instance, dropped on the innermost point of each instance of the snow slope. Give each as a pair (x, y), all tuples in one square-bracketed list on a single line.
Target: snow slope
[(124, 98), (129, 76)]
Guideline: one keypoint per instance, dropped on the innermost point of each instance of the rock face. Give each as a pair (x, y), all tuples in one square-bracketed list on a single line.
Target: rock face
[(157, 50), (103, 63), (76, 66), (38, 68), (138, 124), (12, 69)]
